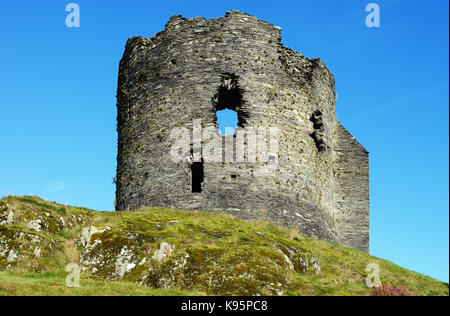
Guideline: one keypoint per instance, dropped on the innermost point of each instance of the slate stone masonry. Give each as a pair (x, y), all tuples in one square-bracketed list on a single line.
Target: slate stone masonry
[(196, 67)]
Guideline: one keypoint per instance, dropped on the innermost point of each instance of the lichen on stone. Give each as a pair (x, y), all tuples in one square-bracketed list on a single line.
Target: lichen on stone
[(159, 248)]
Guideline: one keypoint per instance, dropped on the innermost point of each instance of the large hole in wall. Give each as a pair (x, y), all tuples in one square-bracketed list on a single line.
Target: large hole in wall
[(319, 131), (228, 121), (228, 103), (197, 176)]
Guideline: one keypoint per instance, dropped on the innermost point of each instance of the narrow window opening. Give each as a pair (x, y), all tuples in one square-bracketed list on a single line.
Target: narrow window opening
[(319, 131), (233, 177), (197, 176)]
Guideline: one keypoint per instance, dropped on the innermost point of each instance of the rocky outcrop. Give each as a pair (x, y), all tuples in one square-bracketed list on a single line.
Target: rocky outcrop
[(157, 248), (195, 252)]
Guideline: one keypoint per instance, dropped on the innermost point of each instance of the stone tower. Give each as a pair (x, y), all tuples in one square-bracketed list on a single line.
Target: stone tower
[(196, 67)]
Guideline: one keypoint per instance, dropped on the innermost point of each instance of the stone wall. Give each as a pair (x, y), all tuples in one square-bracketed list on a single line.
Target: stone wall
[(352, 192), (194, 68)]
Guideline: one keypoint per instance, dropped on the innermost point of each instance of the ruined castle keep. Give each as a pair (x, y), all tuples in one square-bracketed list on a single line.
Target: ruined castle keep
[(196, 67)]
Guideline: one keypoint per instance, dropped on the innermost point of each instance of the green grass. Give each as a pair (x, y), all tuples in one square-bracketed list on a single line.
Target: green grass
[(234, 246), (344, 274), (53, 284)]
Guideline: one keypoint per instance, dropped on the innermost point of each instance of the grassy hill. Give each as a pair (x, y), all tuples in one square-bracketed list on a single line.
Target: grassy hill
[(157, 251)]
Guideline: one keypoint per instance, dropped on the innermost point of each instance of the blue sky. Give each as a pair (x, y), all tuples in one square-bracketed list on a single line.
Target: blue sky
[(58, 115)]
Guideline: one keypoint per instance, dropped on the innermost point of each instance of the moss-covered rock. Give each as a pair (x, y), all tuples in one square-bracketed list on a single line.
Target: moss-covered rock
[(6, 214), (109, 255), (18, 246), (215, 254)]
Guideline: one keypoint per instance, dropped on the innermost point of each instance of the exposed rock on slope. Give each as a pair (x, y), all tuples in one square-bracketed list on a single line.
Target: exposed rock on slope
[(202, 252), (213, 253)]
